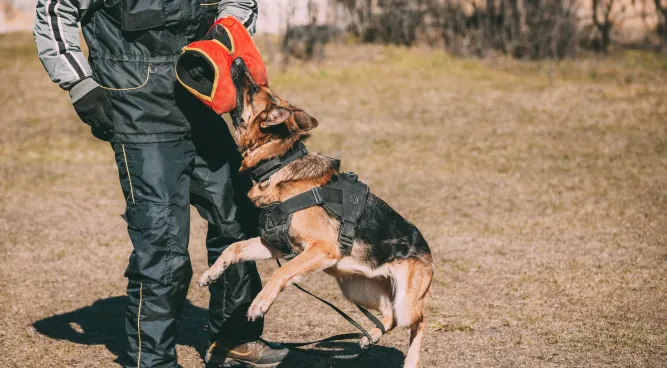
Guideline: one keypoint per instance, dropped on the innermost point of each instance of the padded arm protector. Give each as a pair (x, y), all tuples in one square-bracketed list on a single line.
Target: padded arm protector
[(226, 40)]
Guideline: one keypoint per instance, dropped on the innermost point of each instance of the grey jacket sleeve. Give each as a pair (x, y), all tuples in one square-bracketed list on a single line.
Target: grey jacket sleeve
[(57, 37), (244, 10)]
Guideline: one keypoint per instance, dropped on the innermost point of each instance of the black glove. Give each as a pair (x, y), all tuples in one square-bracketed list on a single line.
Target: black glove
[(196, 70), (95, 110)]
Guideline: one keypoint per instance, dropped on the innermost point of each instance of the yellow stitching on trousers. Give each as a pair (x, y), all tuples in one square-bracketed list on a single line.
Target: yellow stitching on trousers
[(141, 297), (131, 88), (127, 168), (210, 348)]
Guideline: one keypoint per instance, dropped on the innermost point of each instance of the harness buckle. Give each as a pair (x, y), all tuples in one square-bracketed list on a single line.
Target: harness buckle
[(352, 175), (317, 195), (346, 234), (302, 148)]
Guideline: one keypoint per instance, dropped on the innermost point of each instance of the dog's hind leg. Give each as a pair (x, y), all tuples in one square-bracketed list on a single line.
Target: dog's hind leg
[(372, 293), (388, 323), (412, 282), (416, 339), (316, 257), (246, 250)]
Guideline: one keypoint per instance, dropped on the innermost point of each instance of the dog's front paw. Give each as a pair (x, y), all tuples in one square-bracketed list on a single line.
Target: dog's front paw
[(208, 277), (213, 273), (255, 312), (260, 305)]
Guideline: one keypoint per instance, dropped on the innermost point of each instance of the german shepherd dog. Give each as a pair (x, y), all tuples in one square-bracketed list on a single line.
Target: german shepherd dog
[(389, 268)]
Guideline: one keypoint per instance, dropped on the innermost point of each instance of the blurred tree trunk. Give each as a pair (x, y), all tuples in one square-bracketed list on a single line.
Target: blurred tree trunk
[(602, 9), (661, 9)]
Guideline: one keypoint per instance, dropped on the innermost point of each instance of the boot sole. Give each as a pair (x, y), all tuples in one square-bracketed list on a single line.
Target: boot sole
[(235, 363), (229, 363)]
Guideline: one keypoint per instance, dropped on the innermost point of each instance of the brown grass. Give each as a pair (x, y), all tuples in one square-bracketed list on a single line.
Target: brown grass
[(541, 188)]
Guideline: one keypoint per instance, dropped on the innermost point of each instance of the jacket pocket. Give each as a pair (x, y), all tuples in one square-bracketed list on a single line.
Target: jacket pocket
[(209, 12), (138, 15), (144, 97), (123, 76), (209, 4)]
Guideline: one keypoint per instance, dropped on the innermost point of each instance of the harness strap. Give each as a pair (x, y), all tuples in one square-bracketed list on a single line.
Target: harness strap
[(263, 171), (314, 197), (339, 337), (346, 233)]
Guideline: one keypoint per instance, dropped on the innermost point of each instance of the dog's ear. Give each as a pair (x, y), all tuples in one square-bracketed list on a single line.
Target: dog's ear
[(304, 121), (276, 115)]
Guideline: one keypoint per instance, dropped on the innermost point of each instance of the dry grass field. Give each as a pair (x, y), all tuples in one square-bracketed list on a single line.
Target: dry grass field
[(541, 188)]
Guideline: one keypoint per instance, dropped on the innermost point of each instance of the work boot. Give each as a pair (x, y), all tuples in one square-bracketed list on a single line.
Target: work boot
[(258, 353)]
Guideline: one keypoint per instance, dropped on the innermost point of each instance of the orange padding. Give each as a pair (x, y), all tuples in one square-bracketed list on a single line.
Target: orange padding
[(223, 95)]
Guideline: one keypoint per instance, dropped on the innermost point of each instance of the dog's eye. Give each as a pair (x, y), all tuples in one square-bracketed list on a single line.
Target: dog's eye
[(253, 90)]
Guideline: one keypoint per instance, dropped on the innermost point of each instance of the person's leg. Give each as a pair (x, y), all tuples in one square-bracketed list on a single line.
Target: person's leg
[(234, 340), (155, 178), (220, 196)]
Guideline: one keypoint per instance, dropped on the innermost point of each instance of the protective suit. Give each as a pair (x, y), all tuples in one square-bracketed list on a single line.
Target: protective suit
[(171, 151)]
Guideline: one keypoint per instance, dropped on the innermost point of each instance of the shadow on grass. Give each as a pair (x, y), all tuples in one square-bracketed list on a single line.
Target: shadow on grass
[(379, 356), (103, 323)]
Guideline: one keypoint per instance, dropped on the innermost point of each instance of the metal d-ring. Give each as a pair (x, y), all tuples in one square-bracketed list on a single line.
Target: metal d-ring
[(265, 184)]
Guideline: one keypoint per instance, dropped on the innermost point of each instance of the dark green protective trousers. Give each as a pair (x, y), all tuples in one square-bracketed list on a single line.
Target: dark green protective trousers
[(160, 181)]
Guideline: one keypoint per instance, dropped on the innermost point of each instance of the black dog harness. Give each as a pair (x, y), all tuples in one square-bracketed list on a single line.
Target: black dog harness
[(344, 198)]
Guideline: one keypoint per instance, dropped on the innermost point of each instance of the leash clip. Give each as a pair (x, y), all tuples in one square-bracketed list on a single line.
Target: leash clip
[(352, 175)]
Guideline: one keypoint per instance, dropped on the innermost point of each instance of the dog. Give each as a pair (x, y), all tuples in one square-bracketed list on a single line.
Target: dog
[(389, 267)]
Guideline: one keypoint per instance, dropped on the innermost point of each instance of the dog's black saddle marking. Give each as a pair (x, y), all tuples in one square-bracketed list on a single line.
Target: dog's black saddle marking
[(344, 198)]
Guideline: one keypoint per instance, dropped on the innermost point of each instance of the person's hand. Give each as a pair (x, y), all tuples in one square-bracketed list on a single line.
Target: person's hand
[(196, 70), (95, 110), (196, 66)]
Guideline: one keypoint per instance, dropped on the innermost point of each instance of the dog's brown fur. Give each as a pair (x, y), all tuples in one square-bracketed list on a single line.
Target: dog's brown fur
[(268, 126)]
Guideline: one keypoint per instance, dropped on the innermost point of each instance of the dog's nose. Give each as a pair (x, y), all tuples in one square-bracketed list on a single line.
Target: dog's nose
[(238, 62)]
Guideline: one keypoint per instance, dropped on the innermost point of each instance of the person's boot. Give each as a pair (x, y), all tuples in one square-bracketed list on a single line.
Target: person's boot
[(258, 353)]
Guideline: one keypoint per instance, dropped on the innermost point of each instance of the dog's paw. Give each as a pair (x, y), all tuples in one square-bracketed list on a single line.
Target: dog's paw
[(208, 278), (254, 313), (260, 305), (213, 273), (375, 333)]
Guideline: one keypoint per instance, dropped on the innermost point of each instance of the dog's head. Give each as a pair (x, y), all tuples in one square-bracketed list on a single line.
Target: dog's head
[(260, 115)]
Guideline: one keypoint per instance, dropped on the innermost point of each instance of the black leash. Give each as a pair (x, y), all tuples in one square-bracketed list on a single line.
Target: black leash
[(347, 336)]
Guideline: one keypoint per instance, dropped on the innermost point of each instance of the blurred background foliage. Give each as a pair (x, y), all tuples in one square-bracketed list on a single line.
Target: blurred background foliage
[(522, 29)]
